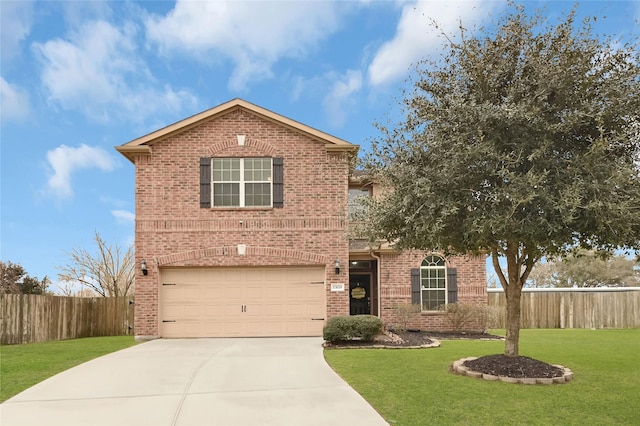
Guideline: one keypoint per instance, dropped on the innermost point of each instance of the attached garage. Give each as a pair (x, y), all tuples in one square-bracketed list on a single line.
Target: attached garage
[(242, 302)]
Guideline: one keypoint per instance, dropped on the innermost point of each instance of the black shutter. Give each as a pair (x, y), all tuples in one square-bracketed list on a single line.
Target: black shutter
[(205, 182), (415, 286), (278, 183), (452, 284)]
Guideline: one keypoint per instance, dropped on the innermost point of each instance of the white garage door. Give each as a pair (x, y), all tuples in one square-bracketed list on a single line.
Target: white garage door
[(242, 302)]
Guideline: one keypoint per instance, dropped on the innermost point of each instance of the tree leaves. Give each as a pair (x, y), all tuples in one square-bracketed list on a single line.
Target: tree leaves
[(586, 269), (525, 136), (523, 143), (14, 279)]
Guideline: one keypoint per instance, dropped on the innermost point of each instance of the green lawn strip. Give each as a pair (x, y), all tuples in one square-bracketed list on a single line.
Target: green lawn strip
[(414, 386), (22, 366)]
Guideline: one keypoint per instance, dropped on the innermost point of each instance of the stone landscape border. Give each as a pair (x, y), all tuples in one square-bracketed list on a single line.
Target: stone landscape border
[(457, 368), (434, 344)]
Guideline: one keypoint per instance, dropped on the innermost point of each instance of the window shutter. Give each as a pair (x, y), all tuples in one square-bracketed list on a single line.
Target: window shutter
[(415, 286), (205, 182), (278, 183), (452, 285)]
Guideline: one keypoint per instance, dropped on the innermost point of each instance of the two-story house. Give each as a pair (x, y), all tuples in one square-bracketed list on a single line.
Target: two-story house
[(242, 229)]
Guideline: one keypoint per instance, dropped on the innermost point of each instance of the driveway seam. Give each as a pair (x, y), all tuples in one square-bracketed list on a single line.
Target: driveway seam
[(186, 391)]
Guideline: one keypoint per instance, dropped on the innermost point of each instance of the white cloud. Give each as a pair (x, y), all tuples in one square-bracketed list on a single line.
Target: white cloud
[(14, 102), (252, 35), (65, 160), (98, 72), (16, 18), (340, 97), (78, 12), (124, 217), (416, 38)]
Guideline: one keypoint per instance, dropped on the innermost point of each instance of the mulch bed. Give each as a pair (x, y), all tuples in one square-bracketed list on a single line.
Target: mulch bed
[(517, 367), (411, 339), (496, 365)]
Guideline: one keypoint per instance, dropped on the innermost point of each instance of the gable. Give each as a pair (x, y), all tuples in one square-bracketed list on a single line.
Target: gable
[(144, 144)]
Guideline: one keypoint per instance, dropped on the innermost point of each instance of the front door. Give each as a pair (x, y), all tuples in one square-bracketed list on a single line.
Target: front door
[(360, 294)]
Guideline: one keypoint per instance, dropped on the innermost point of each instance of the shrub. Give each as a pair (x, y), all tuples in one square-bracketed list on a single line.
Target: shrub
[(462, 314), (361, 327), (493, 317), (404, 313)]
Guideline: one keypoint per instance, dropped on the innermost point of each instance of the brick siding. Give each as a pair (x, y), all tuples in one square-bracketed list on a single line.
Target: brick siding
[(172, 229), (395, 287)]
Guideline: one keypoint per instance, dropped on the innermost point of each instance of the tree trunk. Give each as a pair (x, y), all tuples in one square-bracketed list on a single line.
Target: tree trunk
[(513, 293)]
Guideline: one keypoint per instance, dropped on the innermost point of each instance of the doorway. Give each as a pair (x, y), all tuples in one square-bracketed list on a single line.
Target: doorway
[(360, 294)]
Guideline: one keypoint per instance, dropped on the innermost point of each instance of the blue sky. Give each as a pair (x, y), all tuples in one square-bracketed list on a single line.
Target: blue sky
[(78, 78)]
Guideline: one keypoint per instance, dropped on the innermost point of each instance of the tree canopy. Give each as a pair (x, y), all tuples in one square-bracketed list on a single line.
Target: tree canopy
[(586, 269), (520, 142), (14, 279)]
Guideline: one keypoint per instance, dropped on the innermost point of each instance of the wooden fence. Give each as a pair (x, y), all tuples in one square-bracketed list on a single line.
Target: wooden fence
[(27, 318), (573, 308)]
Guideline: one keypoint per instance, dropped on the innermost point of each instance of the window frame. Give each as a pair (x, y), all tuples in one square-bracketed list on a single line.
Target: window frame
[(429, 267), (354, 208), (242, 183)]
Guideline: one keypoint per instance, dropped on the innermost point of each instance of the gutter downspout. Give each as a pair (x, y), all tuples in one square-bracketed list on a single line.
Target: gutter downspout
[(378, 276)]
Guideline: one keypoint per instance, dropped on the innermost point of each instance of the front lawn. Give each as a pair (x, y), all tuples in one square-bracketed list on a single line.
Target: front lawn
[(22, 366), (414, 386)]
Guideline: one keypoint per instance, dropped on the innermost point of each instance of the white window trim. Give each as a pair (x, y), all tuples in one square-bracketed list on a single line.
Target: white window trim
[(446, 283), (242, 183)]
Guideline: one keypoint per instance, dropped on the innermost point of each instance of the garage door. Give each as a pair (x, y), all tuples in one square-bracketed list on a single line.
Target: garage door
[(242, 302)]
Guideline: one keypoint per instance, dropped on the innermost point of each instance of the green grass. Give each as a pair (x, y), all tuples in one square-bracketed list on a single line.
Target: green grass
[(22, 366), (414, 387)]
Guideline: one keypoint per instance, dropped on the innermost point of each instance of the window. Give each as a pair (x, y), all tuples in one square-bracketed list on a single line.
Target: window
[(360, 264), (355, 202), (241, 182), (433, 283)]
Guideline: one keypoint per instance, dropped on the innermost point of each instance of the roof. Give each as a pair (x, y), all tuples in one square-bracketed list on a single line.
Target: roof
[(359, 176), (142, 145), (363, 246)]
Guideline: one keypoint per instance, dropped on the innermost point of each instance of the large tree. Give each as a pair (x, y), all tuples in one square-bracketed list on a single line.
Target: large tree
[(520, 142), (109, 272)]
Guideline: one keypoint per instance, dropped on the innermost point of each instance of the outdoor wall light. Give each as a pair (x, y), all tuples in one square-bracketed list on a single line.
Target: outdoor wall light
[(143, 266), (337, 266)]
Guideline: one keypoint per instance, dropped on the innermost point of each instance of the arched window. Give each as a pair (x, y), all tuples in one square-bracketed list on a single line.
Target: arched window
[(433, 283)]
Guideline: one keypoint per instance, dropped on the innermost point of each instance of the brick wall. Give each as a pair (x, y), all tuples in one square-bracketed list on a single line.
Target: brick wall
[(172, 229), (395, 286)]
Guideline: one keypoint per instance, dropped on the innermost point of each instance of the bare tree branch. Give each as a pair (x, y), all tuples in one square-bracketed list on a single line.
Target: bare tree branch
[(110, 273)]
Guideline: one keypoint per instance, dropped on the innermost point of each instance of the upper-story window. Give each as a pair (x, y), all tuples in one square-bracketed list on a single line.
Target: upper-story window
[(355, 201), (241, 182)]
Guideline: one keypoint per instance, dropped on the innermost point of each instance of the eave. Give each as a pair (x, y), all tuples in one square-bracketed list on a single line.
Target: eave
[(132, 151), (136, 146)]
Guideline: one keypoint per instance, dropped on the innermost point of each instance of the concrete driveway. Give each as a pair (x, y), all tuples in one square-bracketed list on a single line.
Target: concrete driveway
[(262, 381)]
